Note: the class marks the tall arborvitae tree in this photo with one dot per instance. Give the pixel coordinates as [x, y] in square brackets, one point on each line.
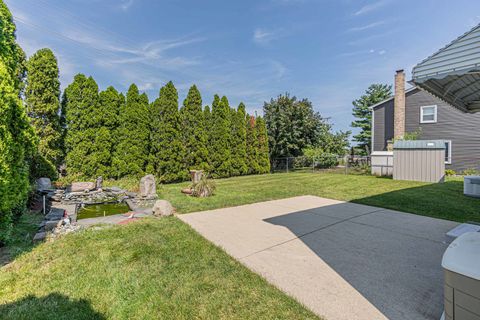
[167, 150]
[80, 101]
[17, 144]
[132, 146]
[194, 134]
[262, 146]
[252, 146]
[221, 138]
[238, 143]
[17, 137]
[42, 97]
[110, 103]
[361, 110]
[10, 52]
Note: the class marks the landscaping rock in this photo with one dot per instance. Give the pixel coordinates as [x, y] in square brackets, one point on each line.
[82, 186]
[44, 184]
[40, 236]
[162, 208]
[148, 188]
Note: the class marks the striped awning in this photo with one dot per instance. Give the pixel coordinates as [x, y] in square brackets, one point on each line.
[453, 73]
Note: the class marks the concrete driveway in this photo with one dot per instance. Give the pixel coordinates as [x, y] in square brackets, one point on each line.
[341, 260]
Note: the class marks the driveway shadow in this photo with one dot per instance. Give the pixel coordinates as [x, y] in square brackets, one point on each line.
[392, 258]
[54, 306]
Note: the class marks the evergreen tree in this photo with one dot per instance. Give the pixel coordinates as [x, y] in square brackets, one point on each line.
[373, 95]
[239, 143]
[252, 146]
[10, 52]
[220, 138]
[167, 149]
[132, 146]
[194, 134]
[17, 144]
[83, 147]
[262, 146]
[110, 103]
[42, 97]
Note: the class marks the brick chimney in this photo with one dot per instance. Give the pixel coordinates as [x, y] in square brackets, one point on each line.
[399, 105]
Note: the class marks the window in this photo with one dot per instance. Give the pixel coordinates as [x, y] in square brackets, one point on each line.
[428, 114]
[448, 152]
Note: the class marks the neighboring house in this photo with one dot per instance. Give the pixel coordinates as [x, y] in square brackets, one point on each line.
[433, 119]
[444, 104]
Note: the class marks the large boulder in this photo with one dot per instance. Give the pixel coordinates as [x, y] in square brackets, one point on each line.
[162, 208]
[82, 186]
[44, 184]
[148, 188]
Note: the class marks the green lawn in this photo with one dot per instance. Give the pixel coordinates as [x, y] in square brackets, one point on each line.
[441, 200]
[161, 268]
[150, 269]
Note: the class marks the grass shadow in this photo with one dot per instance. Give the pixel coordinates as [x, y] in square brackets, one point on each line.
[54, 306]
[439, 200]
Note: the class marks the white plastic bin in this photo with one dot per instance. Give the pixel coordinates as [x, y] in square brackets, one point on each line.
[461, 264]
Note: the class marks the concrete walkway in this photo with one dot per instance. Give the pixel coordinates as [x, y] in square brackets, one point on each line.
[342, 260]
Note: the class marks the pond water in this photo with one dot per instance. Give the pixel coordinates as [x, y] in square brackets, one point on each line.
[100, 210]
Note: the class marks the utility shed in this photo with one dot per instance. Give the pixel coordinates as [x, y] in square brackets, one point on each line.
[419, 160]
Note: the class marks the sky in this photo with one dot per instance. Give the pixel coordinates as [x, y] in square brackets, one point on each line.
[328, 51]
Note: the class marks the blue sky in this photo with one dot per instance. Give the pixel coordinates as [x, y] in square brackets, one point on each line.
[328, 51]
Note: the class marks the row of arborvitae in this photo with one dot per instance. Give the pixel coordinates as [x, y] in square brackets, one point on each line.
[92, 133]
[115, 136]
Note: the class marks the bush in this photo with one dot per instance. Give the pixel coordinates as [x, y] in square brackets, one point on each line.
[321, 159]
[203, 188]
[450, 172]
[470, 172]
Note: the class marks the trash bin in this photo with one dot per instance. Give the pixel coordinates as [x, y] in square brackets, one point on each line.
[471, 186]
[461, 264]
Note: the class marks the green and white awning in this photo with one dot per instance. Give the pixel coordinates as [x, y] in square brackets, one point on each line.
[453, 73]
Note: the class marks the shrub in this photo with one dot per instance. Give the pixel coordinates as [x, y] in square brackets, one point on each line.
[470, 172]
[203, 188]
[321, 159]
[450, 172]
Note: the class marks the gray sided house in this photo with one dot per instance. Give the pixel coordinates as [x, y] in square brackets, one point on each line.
[433, 119]
[444, 103]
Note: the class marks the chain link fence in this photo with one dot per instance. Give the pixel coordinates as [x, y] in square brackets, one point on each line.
[349, 164]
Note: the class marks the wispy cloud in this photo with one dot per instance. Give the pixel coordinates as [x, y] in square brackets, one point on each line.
[367, 27]
[126, 4]
[154, 52]
[263, 36]
[371, 7]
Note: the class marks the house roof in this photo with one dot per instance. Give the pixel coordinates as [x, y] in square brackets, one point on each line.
[389, 99]
[453, 73]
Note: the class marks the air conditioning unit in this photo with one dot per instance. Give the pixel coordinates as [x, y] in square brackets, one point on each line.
[471, 186]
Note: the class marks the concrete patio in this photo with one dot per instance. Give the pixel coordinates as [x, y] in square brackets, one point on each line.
[342, 260]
